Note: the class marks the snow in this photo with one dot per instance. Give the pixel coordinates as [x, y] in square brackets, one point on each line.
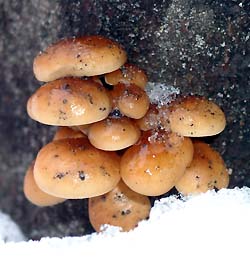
[160, 93]
[208, 232]
[9, 231]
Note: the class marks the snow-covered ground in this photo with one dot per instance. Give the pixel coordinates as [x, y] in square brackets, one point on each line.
[204, 233]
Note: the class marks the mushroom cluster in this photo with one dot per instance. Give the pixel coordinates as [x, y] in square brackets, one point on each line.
[112, 145]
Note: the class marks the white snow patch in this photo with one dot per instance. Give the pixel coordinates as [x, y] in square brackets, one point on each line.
[205, 233]
[9, 231]
[160, 93]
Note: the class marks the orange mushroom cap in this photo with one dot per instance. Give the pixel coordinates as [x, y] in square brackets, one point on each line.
[82, 56]
[195, 116]
[154, 164]
[69, 102]
[206, 171]
[131, 100]
[34, 194]
[116, 133]
[66, 132]
[127, 74]
[72, 168]
[120, 207]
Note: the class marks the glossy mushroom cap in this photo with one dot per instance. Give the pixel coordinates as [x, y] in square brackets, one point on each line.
[154, 164]
[120, 207]
[69, 102]
[113, 133]
[131, 100]
[206, 171]
[82, 56]
[195, 116]
[34, 194]
[66, 132]
[73, 169]
[127, 74]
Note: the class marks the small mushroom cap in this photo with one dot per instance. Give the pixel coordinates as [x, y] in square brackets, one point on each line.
[131, 100]
[113, 133]
[206, 171]
[157, 117]
[66, 132]
[69, 102]
[127, 74]
[154, 164]
[120, 207]
[82, 56]
[73, 169]
[195, 116]
[34, 194]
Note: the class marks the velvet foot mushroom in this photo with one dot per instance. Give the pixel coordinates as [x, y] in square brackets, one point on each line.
[127, 74]
[131, 100]
[66, 132]
[113, 133]
[73, 169]
[195, 116]
[70, 167]
[78, 57]
[69, 102]
[34, 194]
[206, 171]
[156, 162]
[120, 207]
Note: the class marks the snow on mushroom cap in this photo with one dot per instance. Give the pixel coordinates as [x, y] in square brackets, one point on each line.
[82, 56]
[153, 165]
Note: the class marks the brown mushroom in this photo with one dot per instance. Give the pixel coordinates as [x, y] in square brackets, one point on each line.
[131, 100]
[66, 132]
[113, 133]
[73, 169]
[127, 74]
[34, 194]
[120, 207]
[69, 102]
[195, 116]
[82, 56]
[206, 171]
[154, 164]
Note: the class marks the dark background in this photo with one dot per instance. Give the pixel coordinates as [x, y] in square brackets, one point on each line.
[198, 46]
